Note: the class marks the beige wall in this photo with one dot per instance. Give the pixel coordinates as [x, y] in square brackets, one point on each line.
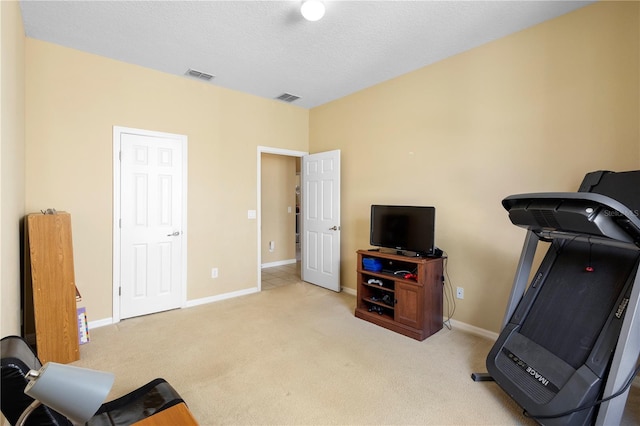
[12, 162]
[278, 195]
[73, 101]
[530, 112]
[533, 111]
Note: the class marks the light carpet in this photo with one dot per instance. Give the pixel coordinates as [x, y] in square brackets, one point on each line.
[296, 355]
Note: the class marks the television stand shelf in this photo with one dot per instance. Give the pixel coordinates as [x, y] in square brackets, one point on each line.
[409, 306]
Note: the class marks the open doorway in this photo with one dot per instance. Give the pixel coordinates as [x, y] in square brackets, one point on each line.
[319, 213]
[279, 248]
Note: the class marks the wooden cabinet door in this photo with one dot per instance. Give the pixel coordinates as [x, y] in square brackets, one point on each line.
[409, 304]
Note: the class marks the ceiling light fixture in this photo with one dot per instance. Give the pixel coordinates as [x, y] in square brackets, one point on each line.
[312, 10]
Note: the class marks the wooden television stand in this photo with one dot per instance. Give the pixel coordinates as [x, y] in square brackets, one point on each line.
[409, 306]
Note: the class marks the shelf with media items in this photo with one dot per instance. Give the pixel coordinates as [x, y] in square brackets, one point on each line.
[402, 294]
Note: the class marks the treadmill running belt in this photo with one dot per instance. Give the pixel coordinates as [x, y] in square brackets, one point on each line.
[574, 304]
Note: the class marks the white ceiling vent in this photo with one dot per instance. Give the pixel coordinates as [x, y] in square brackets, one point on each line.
[199, 74]
[288, 97]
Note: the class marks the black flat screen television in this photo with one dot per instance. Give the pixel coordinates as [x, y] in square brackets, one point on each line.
[404, 228]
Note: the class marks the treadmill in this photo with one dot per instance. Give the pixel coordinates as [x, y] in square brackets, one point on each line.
[571, 337]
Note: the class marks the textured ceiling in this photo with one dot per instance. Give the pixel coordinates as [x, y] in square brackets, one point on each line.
[266, 48]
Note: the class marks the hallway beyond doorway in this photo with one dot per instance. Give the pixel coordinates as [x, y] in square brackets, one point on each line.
[277, 276]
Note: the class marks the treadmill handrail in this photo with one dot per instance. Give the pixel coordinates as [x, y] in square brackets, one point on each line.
[615, 209]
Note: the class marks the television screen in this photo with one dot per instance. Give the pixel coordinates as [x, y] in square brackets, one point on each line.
[410, 228]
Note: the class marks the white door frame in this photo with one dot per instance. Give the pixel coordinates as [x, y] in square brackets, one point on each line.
[116, 272]
[277, 151]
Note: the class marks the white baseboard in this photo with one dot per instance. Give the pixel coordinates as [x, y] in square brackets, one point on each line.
[100, 323]
[474, 330]
[454, 324]
[190, 303]
[278, 263]
[205, 300]
[350, 291]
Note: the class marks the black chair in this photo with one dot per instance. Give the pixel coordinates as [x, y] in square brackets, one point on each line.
[18, 358]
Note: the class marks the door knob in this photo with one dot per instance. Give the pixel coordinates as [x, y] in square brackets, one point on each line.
[334, 228]
[175, 234]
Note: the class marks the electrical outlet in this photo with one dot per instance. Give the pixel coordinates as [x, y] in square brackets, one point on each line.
[460, 293]
[214, 272]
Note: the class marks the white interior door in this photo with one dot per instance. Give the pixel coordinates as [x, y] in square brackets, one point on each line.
[151, 225]
[321, 219]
